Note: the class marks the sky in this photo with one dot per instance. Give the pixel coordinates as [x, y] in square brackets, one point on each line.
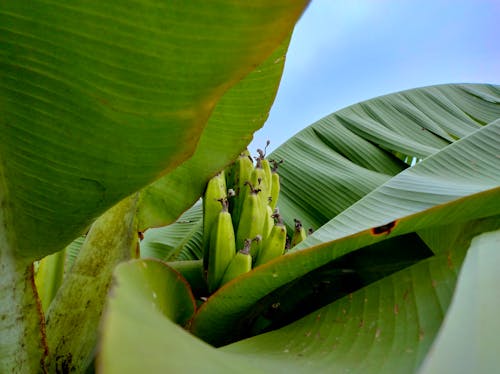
[344, 52]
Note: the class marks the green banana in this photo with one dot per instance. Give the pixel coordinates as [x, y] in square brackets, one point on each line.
[275, 184]
[299, 234]
[266, 166]
[251, 222]
[258, 178]
[214, 192]
[274, 245]
[222, 247]
[268, 222]
[242, 170]
[240, 264]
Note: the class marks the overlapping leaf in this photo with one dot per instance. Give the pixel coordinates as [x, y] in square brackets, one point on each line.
[388, 325]
[385, 327]
[99, 99]
[334, 162]
[468, 340]
[139, 333]
[419, 197]
[241, 111]
[330, 165]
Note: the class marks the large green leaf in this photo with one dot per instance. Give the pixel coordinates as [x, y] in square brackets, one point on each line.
[468, 340]
[241, 111]
[98, 99]
[458, 183]
[463, 169]
[385, 327]
[421, 199]
[334, 162]
[139, 333]
[330, 165]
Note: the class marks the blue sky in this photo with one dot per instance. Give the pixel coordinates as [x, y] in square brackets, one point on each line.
[344, 52]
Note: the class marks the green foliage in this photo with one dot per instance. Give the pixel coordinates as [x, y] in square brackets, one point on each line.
[376, 313]
[100, 99]
[468, 340]
[93, 92]
[113, 117]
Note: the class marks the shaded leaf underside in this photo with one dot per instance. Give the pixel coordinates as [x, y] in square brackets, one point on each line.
[185, 234]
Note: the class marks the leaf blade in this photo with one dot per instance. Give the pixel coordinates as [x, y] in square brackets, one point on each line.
[94, 92]
[468, 337]
[353, 228]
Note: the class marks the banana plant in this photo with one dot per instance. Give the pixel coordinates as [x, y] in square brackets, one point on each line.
[114, 116]
[403, 192]
[98, 100]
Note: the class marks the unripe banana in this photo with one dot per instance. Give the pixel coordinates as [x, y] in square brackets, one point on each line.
[221, 248]
[215, 191]
[268, 223]
[240, 264]
[251, 222]
[274, 245]
[258, 180]
[266, 166]
[299, 234]
[242, 170]
[275, 184]
[232, 170]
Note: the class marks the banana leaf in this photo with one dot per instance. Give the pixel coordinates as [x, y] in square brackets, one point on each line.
[100, 99]
[345, 177]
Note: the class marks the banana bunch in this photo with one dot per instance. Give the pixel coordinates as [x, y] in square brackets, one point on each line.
[242, 227]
